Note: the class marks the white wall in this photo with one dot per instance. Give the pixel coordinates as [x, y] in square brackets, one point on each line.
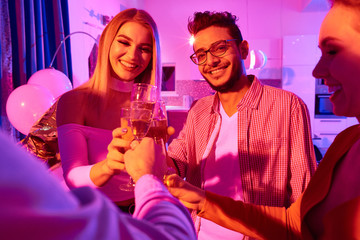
[87, 15]
[262, 22]
[300, 55]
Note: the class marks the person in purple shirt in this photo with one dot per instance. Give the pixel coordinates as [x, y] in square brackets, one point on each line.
[33, 204]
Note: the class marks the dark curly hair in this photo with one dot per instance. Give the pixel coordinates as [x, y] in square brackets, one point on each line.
[349, 3]
[202, 20]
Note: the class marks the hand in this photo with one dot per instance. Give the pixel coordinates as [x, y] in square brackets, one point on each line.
[189, 195]
[145, 158]
[116, 149]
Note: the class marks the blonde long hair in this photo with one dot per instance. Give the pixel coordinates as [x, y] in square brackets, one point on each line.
[99, 82]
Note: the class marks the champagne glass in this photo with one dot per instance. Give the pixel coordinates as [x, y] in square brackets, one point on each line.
[143, 92]
[158, 128]
[143, 98]
[140, 118]
[159, 123]
[125, 123]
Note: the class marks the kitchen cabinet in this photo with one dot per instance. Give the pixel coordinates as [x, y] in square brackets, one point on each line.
[326, 129]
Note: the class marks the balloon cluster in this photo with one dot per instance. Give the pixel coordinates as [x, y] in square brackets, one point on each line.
[27, 103]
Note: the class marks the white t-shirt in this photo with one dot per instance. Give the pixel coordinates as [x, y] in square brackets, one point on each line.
[222, 174]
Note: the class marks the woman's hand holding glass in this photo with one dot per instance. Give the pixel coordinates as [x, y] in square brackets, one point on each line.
[118, 146]
[143, 97]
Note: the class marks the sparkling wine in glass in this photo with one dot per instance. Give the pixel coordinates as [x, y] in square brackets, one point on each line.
[126, 123]
[140, 118]
[143, 97]
[159, 123]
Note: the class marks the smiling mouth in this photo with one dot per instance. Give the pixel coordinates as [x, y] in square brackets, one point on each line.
[128, 65]
[334, 88]
[215, 71]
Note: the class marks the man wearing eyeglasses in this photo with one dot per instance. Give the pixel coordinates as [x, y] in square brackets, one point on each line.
[248, 141]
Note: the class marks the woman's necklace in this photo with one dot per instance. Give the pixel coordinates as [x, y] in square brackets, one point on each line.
[121, 86]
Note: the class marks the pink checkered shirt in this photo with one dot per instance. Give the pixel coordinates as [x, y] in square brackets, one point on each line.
[276, 154]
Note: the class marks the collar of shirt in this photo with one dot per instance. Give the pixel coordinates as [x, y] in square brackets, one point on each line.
[250, 100]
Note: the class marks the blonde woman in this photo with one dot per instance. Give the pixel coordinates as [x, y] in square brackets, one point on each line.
[129, 52]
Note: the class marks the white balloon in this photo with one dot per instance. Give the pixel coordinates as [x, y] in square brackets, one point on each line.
[256, 59]
[26, 104]
[57, 82]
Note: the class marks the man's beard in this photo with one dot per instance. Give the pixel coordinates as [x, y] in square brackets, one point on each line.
[228, 86]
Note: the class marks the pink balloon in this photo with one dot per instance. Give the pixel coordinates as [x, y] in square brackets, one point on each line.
[54, 80]
[26, 104]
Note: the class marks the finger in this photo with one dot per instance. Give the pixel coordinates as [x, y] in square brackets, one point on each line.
[148, 140]
[188, 205]
[173, 181]
[178, 187]
[118, 132]
[145, 143]
[170, 130]
[134, 144]
[180, 193]
[117, 143]
[115, 156]
[124, 133]
[116, 166]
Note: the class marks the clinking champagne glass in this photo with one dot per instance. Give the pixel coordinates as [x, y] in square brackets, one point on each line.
[143, 97]
[159, 124]
[125, 123]
[140, 118]
[143, 92]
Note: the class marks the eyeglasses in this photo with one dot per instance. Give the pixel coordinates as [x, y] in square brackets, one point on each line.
[217, 49]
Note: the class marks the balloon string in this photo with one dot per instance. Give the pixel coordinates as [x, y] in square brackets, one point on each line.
[62, 41]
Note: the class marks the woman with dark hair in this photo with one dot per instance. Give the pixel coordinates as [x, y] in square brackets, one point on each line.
[330, 206]
[129, 52]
